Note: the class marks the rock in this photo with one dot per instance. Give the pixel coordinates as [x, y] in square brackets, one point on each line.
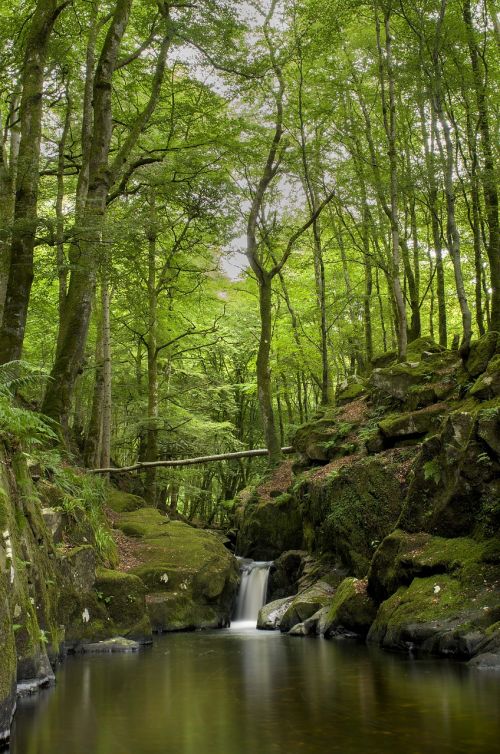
[413, 424]
[417, 382]
[448, 610]
[489, 428]
[124, 502]
[268, 528]
[453, 486]
[487, 386]
[190, 577]
[306, 604]
[352, 611]
[285, 573]
[8, 664]
[270, 615]
[350, 390]
[53, 520]
[486, 661]
[348, 512]
[124, 595]
[78, 567]
[117, 644]
[481, 351]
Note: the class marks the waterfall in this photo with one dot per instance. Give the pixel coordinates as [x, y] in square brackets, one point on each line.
[252, 594]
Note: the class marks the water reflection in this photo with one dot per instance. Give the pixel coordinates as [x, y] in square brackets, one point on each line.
[260, 693]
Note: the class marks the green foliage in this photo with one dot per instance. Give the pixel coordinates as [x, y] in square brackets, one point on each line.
[21, 423]
[432, 470]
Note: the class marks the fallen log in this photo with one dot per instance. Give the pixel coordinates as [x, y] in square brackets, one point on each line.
[142, 465]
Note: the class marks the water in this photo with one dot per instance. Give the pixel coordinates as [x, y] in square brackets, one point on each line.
[251, 692]
[252, 594]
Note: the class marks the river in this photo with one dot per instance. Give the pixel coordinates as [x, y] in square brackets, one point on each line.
[250, 692]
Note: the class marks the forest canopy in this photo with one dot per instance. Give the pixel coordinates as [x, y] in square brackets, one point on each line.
[214, 213]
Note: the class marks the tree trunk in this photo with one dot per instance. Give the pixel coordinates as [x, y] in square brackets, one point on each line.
[264, 370]
[25, 206]
[106, 371]
[84, 251]
[489, 181]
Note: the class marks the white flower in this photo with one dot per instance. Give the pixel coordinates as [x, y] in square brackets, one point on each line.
[437, 588]
[86, 615]
[164, 578]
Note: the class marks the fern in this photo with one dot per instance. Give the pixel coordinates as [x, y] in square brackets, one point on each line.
[27, 426]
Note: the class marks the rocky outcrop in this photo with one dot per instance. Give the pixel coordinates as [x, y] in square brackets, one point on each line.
[188, 576]
[400, 486]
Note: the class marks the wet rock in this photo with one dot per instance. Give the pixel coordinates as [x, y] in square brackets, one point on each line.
[124, 596]
[285, 573]
[117, 644]
[270, 615]
[306, 604]
[269, 527]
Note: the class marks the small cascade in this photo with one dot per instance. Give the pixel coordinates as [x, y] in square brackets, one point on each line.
[252, 594]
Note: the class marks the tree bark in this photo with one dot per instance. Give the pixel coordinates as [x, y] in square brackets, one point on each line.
[25, 206]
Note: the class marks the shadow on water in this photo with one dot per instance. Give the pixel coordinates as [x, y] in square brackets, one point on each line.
[250, 692]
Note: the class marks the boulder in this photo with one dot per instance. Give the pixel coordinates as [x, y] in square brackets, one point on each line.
[349, 511]
[352, 611]
[124, 595]
[269, 527]
[481, 351]
[415, 424]
[190, 578]
[306, 604]
[117, 644]
[270, 615]
[124, 502]
[487, 386]
[444, 594]
[285, 573]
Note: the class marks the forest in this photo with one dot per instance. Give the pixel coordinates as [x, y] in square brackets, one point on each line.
[269, 225]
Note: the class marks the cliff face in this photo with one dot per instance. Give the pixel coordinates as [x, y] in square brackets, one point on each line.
[397, 487]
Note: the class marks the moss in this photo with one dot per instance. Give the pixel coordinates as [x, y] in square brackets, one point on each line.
[401, 557]
[8, 663]
[487, 386]
[124, 502]
[352, 609]
[481, 352]
[144, 523]
[351, 392]
[177, 612]
[123, 595]
[305, 604]
[352, 509]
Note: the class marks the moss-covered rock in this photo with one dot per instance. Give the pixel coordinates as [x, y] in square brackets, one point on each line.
[268, 527]
[8, 664]
[189, 576]
[438, 595]
[305, 604]
[415, 424]
[452, 488]
[349, 391]
[352, 509]
[352, 611]
[427, 377]
[124, 502]
[481, 351]
[488, 384]
[124, 596]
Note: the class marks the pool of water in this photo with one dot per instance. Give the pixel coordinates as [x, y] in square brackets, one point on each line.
[249, 692]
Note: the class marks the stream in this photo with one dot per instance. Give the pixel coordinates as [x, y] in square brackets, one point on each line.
[243, 691]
